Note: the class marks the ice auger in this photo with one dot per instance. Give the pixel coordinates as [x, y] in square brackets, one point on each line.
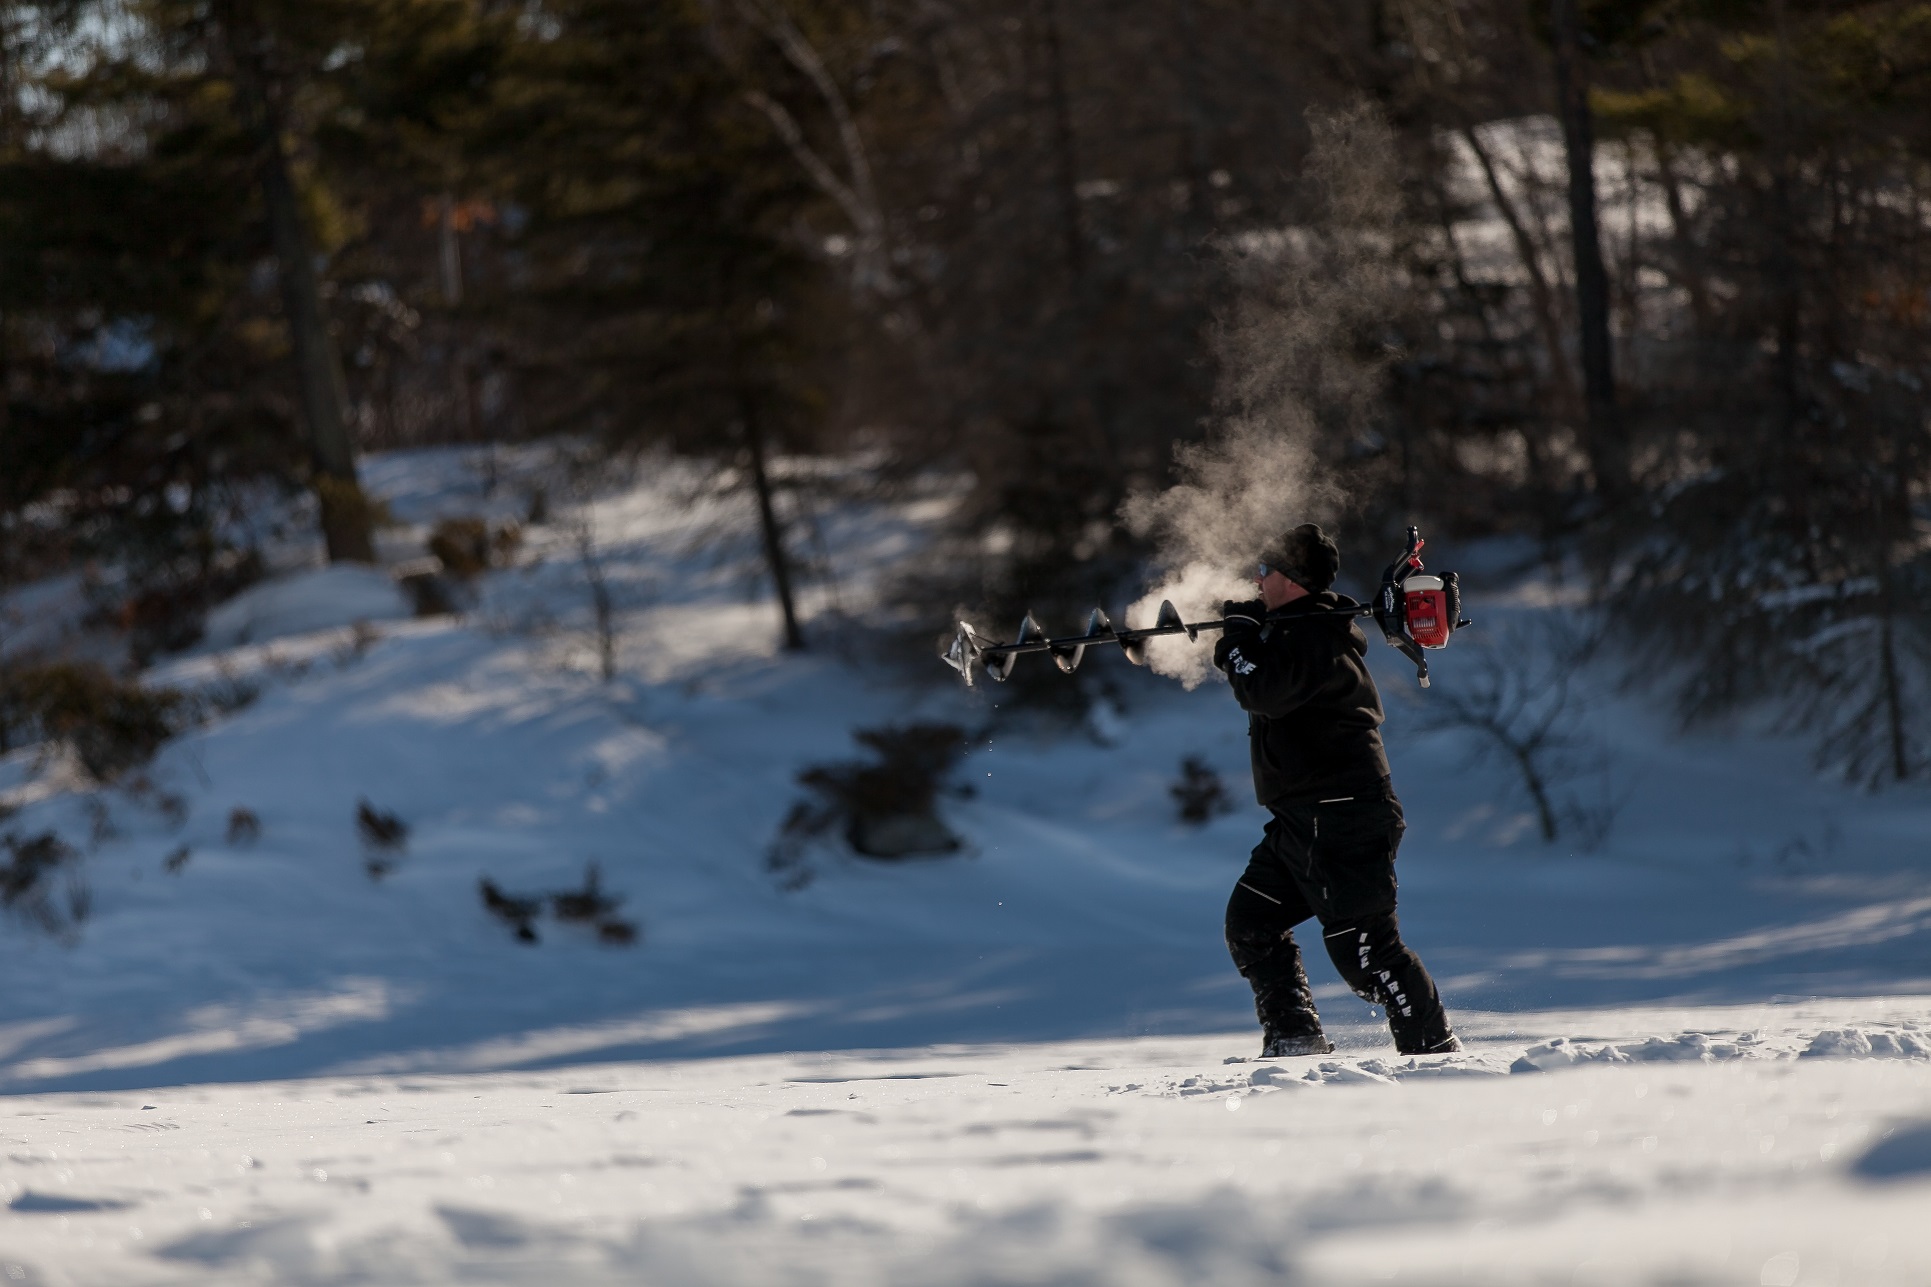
[1414, 610]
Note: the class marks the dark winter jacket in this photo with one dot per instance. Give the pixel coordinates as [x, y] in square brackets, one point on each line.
[1313, 715]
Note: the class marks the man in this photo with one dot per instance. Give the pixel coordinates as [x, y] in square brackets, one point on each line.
[1298, 668]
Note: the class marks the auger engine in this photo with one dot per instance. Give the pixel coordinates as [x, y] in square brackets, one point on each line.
[1416, 610]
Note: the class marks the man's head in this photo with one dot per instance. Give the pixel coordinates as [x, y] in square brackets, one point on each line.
[1301, 562]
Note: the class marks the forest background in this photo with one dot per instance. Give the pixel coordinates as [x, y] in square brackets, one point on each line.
[1650, 290]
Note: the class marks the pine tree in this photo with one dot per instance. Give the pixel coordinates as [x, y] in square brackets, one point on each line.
[1783, 558]
[164, 207]
[663, 298]
[140, 386]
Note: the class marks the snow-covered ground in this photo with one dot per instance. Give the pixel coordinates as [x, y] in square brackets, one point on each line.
[1712, 1156]
[1698, 1053]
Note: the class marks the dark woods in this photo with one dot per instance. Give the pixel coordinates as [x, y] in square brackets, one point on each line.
[1650, 287]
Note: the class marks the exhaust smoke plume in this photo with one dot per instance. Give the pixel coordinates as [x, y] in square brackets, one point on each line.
[1300, 371]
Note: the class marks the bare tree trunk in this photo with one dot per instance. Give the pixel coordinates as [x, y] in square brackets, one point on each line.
[462, 372]
[1541, 295]
[345, 512]
[1545, 814]
[449, 257]
[6, 398]
[1893, 684]
[601, 606]
[855, 192]
[774, 552]
[1688, 270]
[1531, 446]
[1608, 454]
[1630, 275]
[10, 134]
[1783, 255]
[1894, 516]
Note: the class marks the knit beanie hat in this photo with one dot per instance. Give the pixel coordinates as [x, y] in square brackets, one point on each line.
[1306, 555]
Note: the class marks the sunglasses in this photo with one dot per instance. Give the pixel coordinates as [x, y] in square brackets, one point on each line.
[1264, 570]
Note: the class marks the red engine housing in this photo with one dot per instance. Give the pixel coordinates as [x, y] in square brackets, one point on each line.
[1429, 616]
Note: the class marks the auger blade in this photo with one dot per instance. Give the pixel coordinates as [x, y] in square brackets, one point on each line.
[1169, 619]
[1068, 656]
[1000, 667]
[964, 652]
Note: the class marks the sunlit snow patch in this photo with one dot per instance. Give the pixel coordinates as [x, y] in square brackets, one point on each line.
[225, 1029]
[578, 1040]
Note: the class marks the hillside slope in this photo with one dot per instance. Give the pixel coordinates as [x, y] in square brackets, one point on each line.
[1081, 906]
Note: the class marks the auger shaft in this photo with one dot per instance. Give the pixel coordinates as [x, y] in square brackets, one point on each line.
[1123, 637]
[969, 647]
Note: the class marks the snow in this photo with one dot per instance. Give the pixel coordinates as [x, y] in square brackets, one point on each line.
[1099, 1161]
[304, 603]
[1697, 1053]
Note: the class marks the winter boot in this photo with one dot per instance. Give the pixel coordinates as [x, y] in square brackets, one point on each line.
[1278, 1047]
[1448, 1045]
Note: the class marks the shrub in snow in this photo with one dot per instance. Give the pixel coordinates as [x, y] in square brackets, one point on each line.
[27, 878]
[177, 860]
[616, 932]
[460, 549]
[100, 821]
[230, 692]
[384, 836]
[110, 725]
[518, 913]
[170, 806]
[1519, 692]
[589, 905]
[468, 547]
[244, 827]
[431, 592]
[1199, 793]
[168, 612]
[362, 637]
[886, 809]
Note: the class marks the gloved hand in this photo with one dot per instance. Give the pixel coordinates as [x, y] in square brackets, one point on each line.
[1242, 614]
[1243, 620]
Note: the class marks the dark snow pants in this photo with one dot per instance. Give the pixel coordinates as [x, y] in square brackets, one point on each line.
[1334, 861]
